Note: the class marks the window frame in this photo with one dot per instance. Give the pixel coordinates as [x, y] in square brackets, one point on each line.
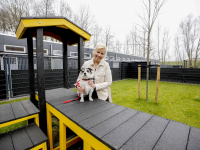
[14, 51]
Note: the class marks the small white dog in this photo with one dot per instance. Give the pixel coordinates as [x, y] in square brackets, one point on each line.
[86, 75]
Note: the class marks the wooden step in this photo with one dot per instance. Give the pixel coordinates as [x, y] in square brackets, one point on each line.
[24, 138]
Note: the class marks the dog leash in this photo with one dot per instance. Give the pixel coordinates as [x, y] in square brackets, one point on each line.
[77, 84]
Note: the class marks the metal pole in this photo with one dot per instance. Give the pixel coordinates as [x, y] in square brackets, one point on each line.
[6, 75]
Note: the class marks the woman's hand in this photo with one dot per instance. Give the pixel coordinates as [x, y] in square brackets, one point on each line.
[80, 89]
[91, 84]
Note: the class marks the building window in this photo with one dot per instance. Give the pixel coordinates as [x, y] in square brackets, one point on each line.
[106, 58]
[73, 54]
[128, 59]
[58, 52]
[87, 55]
[118, 59]
[112, 58]
[132, 59]
[45, 51]
[11, 48]
[123, 59]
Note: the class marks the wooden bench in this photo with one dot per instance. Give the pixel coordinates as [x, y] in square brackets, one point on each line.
[105, 126]
[29, 137]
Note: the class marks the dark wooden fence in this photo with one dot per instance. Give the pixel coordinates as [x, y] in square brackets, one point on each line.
[2, 85]
[180, 75]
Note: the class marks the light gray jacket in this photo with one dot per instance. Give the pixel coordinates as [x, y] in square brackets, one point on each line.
[103, 78]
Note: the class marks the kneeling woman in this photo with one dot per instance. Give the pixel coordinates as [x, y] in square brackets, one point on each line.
[102, 74]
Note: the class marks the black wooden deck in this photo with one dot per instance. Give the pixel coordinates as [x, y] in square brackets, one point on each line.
[17, 110]
[122, 128]
[23, 138]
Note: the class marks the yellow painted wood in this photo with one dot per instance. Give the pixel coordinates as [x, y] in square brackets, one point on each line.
[36, 119]
[62, 134]
[85, 136]
[70, 142]
[49, 129]
[20, 30]
[18, 120]
[58, 22]
[36, 97]
[42, 146]
[86, 146]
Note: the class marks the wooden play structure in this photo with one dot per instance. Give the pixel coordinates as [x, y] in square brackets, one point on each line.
[99, 124]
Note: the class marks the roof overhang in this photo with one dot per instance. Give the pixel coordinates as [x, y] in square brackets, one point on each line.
[55, 27]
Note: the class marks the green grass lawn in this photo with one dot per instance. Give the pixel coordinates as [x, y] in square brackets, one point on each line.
[176, 101]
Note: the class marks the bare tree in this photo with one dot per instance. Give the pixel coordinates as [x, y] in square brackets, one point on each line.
[177, 47]
[165, 45]
[65, 10]
[152, 9]
[43, 8]
[97, 36]
[189, 34]
[118, 46]
[108, 37]
[10, 13]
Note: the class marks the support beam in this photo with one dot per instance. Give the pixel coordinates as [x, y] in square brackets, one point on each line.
[65, 63]
[80, 53]
[31, 69]
[41, 79]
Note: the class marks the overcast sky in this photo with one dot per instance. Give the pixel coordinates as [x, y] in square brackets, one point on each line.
[121, 15]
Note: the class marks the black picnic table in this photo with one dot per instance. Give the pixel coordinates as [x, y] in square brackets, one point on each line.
[122, 128]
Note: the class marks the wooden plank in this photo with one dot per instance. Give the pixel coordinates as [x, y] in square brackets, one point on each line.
[19, 110]
[175, 136]
[92, 112]
[6, 142]
[125, 131]
[148, 135]
[30, 107]
[84, 106]
[21, 139]
[78, 105]
[194, 139]
[92, 121]
[36, 135]
[6, 113]
[107, 126]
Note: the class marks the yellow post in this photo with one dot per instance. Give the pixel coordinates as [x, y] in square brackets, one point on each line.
[62, 133]
[139, 79]
[49, 129]
[157, 82]
[86, 146]
[36, 119]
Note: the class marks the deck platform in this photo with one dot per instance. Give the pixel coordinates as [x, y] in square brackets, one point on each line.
[121, 128]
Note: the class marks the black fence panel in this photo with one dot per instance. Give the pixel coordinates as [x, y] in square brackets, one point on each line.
[20, 80]
[124, 70]
[116, 74]
[171, 74]
[73, 75]
[2, 85]
[191, 75]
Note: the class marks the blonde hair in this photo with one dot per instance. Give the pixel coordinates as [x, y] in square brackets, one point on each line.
[100, 46]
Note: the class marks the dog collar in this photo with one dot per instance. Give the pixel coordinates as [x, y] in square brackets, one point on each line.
[88, 79]
[85, 79]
